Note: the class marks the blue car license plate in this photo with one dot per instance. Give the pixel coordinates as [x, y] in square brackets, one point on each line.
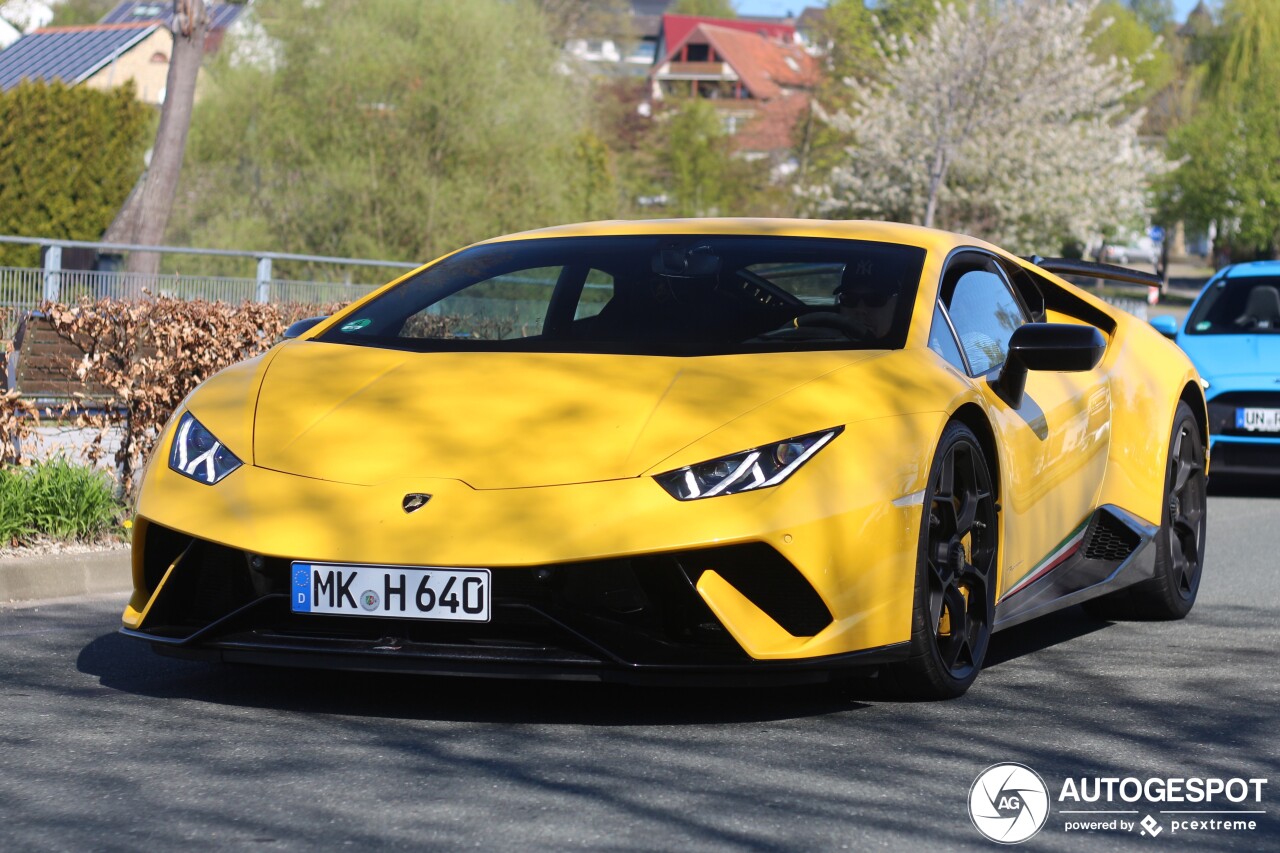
[344, 589]
[1258, 420]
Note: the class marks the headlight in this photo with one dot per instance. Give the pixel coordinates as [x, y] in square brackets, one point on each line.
[758, 468]
[198, 455]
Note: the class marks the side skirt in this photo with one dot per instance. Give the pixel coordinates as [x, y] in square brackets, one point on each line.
[1112, 550]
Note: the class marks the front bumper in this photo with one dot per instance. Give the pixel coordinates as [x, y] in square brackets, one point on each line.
[629, 619]
[1234, 450]
[844, 528]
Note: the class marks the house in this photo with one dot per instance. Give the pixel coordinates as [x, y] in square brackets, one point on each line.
[756, 73]
[101, 56]
[630, 50]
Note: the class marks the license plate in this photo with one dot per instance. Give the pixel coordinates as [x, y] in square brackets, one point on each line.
[1258, 420]
[449, 595]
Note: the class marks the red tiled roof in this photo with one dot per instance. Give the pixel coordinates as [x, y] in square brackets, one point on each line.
[761, 62]
[678, 27]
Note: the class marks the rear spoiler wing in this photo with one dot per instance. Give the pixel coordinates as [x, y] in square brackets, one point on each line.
[1109, 272]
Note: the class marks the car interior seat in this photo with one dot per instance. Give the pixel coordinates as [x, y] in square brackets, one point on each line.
[1262, 311]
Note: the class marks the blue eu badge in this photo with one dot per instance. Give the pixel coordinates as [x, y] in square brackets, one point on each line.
[301, 588]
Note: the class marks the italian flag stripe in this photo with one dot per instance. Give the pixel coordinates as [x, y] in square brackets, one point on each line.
[1057, 557]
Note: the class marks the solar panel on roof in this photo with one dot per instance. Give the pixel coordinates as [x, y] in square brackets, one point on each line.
[69, 54]
[221, 15]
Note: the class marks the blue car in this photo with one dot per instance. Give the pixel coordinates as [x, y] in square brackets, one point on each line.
[1232, 333]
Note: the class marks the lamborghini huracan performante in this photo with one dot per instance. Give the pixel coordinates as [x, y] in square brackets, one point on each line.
[712, 450]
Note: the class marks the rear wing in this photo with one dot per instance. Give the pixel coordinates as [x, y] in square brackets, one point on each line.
[1109, 272]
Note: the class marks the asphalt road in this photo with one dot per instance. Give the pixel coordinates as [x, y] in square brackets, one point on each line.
[105, 746]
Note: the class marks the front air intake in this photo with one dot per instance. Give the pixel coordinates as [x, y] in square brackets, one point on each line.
[768, 580]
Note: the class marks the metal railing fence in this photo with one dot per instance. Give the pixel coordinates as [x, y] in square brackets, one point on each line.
[23, 288]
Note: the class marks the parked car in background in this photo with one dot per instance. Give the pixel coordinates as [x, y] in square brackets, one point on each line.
[1232, 334]
[1144, 250]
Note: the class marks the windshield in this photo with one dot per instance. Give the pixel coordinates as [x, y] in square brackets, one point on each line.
[1238, 306]
[662, 295]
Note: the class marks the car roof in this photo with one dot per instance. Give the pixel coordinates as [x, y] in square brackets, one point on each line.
[884, 232]
[1252, 268]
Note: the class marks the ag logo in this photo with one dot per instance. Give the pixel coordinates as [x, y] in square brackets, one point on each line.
[1008, 803]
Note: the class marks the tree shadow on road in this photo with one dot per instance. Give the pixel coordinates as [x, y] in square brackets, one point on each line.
[127, 665]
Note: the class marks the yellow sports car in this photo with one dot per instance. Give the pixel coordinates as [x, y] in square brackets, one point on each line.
[694, 449]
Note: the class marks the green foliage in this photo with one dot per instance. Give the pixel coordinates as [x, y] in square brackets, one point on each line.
[593, 187]
[703, 8]
[74, 13]
[68, 158]
[1229, 154]
[704, 179]
[1130, 39]
[1250, 52]
[905, 17]
[58, 500]
[857, 35]
[390, 128]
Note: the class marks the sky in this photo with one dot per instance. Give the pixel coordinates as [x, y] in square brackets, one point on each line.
[781, 7]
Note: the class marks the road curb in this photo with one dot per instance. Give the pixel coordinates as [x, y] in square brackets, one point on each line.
[64, 575]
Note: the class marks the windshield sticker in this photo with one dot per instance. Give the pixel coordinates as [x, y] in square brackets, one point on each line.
[1200, 327]
[355, 325]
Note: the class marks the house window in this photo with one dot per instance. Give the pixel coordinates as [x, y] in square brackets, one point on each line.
[159, 58]
[699, 53]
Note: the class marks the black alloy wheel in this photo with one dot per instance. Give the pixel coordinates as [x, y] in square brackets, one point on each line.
[956, 573]
[1185, 513]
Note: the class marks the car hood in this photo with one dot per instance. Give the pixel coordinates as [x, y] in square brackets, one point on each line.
[501, 420]
[1234, 355]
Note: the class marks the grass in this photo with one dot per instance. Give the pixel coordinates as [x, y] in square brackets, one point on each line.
[58, 500]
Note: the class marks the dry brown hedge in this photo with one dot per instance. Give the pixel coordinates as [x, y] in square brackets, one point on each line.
[148, 354]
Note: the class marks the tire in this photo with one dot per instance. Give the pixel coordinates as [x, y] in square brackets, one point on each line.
[1171, 593]
[954, 606]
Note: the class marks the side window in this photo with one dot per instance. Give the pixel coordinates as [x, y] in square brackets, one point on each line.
[595, 293]
[985, 314]
[943, 342]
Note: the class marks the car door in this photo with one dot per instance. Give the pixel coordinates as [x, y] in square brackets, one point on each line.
[1054, 444]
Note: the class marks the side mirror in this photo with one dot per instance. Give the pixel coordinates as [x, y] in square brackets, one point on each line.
[302, 326]
[1165, 325]
[1060, 347]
